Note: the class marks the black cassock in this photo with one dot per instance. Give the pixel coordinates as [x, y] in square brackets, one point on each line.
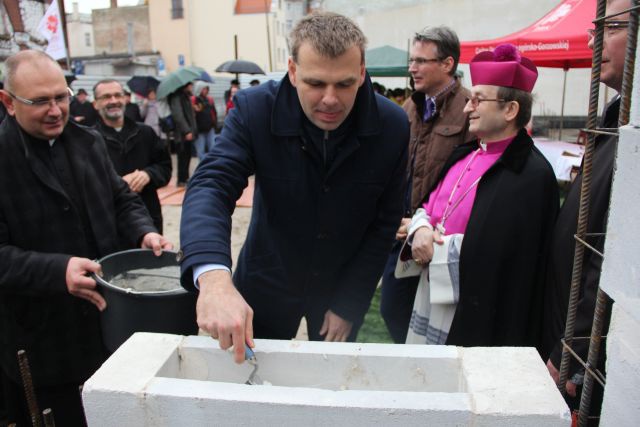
[504, 249]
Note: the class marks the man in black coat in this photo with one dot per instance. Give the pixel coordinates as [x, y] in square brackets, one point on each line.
[329, 158]
[81, 110]
[186, 129]
[560, 267]
[61, 205]
[502, 195]
[138, 155]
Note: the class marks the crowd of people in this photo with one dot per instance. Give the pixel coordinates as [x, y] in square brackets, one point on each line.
[446, 191]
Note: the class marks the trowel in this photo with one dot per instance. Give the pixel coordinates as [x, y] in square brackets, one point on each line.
[250, 357]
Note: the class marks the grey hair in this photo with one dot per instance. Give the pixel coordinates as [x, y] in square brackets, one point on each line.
[12, 64]
[330, 34]
[446, 41]
[104, 82]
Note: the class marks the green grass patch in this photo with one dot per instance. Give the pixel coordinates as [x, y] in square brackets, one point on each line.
[373, 329]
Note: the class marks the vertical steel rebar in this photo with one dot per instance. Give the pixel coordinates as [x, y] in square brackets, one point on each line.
[47, 414]
[585, 192]
[592, 359]
[29, 392]
[601, 303]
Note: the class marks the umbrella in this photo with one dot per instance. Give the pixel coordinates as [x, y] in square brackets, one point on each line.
[175, 81]
[239, 67]
[143, 84]
[204, 76]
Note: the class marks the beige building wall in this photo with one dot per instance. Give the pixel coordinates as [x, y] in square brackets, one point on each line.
[110, 29]
[205, 36]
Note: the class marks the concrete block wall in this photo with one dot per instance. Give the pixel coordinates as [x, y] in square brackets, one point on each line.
[621, 276]
[156, 379]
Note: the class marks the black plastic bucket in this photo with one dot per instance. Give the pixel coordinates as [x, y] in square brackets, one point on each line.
[129, 311]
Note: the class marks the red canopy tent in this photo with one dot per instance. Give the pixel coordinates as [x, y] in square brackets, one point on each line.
[558, 39]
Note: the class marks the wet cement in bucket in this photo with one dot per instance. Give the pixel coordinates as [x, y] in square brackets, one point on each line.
[149, 279]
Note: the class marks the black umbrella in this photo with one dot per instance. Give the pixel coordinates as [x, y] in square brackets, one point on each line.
[143, 84]
[239, 66]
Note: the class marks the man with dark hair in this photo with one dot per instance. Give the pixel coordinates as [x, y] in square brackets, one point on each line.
[560, 267]
[329, 157]
[227, 93]
[186, 129]
[81, 109]
[131, 109]
[62, 206]
[490, 215]
[438, 124]
[137, 153]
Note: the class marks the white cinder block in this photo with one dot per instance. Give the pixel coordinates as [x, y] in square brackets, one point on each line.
[164, 380]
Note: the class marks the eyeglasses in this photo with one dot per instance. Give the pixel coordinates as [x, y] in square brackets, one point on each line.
[422, 61]
[475, 101]
[610, 28]
[45, 102]
[108, 96]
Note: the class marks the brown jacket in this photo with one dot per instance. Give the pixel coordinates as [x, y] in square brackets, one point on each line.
[433, 141]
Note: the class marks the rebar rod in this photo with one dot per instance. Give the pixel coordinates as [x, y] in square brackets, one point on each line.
[29, 392]
[592, 359]
[599, 376]
[585, 192]
[47, 414]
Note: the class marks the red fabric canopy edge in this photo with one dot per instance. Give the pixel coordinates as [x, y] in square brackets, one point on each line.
[558, 39]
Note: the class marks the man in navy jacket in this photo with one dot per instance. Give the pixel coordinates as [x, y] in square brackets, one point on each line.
[329, 158]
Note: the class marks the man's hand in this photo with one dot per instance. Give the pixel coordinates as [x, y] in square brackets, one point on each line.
[189, 136]
[422, 245]
[156, 242]
[80, 285]
[555, 374]
[223, 313]
[335, 328]
[137, 180]
[401, 234]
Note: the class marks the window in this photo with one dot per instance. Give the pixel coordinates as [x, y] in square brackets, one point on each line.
[177, 11]
[87, 39]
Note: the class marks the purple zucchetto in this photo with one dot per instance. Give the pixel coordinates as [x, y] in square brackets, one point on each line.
[503, 67]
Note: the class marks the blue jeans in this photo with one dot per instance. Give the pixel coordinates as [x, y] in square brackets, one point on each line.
[204, 142]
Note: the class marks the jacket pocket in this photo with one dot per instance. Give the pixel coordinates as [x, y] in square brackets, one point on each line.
[448, 130]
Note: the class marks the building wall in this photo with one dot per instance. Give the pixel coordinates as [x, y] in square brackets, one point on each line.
[31, 12]
[80, 34]
[206, 34]
[170, 37]
[110, 28]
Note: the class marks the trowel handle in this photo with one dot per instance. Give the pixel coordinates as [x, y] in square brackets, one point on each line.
[248, 353]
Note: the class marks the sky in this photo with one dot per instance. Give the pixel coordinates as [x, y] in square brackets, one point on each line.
[85, 6]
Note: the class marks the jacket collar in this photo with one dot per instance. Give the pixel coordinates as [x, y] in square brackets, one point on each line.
[441, 101]
[78, 141]
[514, 156]
[129, 129]
[287, 114]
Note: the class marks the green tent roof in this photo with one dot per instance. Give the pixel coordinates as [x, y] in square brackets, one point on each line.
[386, 61]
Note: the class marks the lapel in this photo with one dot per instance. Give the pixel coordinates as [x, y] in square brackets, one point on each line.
[77, 146]
[37, 166]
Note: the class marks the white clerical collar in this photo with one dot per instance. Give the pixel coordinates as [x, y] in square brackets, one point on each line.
[51, 142]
